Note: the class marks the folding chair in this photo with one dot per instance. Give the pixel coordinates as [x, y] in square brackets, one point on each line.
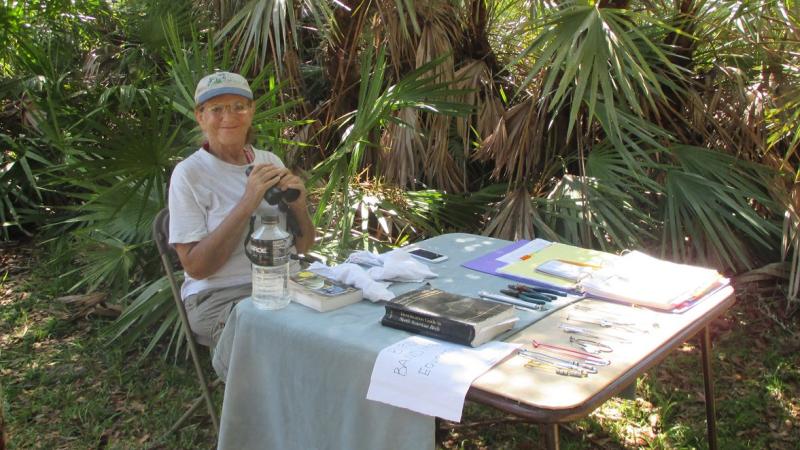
[170, 261]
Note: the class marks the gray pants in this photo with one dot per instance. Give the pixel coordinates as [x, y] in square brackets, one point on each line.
[209, 310]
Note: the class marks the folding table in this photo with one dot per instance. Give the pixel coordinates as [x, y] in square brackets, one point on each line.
[297, 378]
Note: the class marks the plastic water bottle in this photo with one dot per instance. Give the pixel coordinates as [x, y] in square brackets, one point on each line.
[268, 250]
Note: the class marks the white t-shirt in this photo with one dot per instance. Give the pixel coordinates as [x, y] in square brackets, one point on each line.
[203, 189]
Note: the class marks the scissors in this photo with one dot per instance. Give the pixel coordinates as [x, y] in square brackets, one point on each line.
[530, 297]
[590, 346]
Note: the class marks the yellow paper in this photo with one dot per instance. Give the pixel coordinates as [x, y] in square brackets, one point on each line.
[526, 268]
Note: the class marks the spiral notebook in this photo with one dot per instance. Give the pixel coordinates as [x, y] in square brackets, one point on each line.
[640, 279]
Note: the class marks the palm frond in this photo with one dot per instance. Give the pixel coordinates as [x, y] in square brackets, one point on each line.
[152, 306]
[104, 261]
[523, 146]
[20, 194]
[404, 149]
[596, 57]
[398, 18]
[266, 28]
[708, 213]
[440, 167]
[586, 211]
[512, 218]
[376, 107]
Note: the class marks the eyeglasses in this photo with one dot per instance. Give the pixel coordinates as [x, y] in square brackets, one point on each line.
[219, 109]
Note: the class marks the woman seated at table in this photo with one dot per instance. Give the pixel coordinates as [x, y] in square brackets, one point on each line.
[212, 200]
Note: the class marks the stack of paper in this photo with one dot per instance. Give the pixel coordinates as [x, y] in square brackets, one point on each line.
[643, 280]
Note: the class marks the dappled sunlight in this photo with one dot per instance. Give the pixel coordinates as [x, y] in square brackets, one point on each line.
[461, 366]
[474, 244]
[668, 128]
[686, 348]
[535, 385]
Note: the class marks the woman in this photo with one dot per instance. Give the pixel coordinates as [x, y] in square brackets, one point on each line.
[211, 202]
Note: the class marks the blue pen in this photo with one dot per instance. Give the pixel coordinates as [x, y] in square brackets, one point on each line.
[511, 301]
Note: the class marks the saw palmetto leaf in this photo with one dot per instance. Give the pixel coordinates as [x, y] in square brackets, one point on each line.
[377, 104]
[593, 54]
[151, 305]
[606, 209]
[20, 194]
[591, 213]
[438, 212]
[708, 212]
[266, 28]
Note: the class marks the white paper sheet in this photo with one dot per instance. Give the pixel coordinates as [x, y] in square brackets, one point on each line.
[531, 247]
[429, 376]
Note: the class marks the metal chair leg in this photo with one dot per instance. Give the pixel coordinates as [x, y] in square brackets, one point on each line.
[192, 348]
[708, 384]
[160, 236]
[196, 404]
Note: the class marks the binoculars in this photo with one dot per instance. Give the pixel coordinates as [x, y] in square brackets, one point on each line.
[275, 195]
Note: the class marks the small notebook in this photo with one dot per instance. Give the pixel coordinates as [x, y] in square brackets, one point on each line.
[565, 270]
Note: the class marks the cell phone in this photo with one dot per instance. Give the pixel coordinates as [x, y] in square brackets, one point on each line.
[427, 255]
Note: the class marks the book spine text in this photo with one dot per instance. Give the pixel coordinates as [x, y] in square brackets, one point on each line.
[429, 326]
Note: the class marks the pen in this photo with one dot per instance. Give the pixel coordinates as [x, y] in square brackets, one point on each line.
[507, 299]
[541, 290]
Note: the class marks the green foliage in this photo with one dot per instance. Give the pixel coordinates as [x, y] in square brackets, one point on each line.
[599, 57]
[20, 194]
[671, 127]
[152, 305]
[266, 29]
[708, 197]
[377, 103]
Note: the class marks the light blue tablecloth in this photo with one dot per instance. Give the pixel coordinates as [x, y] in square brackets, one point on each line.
[298, 379]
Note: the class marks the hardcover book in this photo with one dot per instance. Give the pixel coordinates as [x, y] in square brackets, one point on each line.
[321, 293]
[450, 317]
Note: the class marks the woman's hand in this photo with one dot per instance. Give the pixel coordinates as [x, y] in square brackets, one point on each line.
[299, 208]
[292, 181]
[261, 178]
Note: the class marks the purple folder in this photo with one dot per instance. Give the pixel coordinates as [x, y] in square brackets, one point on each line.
[488, 263]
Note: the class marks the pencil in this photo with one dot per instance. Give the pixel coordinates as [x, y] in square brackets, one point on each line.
[580, 264]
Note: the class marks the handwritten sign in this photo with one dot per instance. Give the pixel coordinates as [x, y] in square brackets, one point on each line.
[429, 376]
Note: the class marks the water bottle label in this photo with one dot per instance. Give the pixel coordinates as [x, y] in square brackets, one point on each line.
[268, 253]
[268, 246]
